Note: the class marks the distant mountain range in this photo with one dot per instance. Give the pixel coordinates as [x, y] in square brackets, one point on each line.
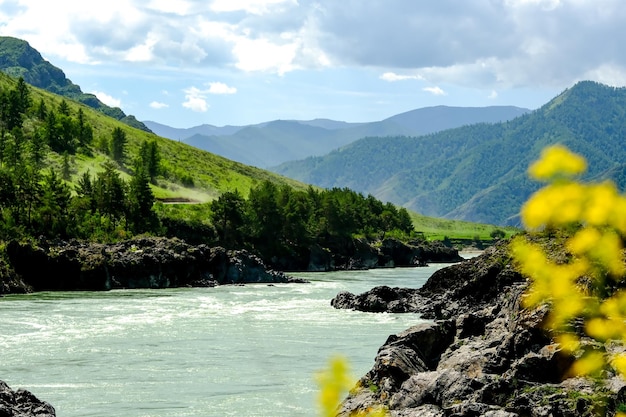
[272, 143]
[478, 172]
[19, 59]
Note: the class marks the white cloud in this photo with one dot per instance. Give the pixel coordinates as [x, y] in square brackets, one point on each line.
[436, 91]
[158, 105]
[107, 99]
[257, 7]
[264, 55]
[195, 100]
[493, 95]
[221, 88]
[490, 44]
[392, 77]
[178, 7]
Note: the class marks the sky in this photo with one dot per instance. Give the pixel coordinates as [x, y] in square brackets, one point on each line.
[237, 62]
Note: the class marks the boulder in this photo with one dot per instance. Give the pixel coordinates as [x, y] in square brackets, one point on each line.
[22, 403]
[379, 299]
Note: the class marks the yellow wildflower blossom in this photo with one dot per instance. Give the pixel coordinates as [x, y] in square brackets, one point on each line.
[557, 161]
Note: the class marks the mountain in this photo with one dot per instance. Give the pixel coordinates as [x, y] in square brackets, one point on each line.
[188, 172]
[478, 172]
[19, 59]
[272, 143]
[184, 133]
[434, 119]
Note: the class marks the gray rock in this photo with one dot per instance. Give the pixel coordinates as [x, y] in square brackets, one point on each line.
[486, 356]
[139, 263]
[22, 403]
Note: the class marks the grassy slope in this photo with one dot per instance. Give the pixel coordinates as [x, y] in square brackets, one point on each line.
[436, 229]
[211, 173]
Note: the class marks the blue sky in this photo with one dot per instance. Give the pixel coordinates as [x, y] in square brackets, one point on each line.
[185, 63]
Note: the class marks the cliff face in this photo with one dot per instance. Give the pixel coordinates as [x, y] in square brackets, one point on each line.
[484, 355]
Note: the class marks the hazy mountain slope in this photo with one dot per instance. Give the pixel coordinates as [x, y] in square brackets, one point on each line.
[272, 143]
[177, 133]
[434, 119]
[477, 172]
[19, 59]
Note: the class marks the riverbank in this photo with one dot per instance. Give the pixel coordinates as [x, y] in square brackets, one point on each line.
[154, 262]
[483, 354]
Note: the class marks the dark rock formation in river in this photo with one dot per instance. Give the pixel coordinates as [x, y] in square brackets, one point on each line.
[347, 253]
[22, 403]
[484, 355]
[138, 263]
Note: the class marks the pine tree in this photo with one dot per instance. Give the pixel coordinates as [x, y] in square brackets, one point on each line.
[228, 217]
[140, 201]
[151, 159]
[118, 145]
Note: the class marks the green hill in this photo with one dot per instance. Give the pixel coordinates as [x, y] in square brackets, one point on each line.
[46, 136]
[19, 59]
[182, 164]
[478, 172]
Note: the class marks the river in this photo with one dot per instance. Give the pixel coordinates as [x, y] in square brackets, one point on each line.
[228, 351]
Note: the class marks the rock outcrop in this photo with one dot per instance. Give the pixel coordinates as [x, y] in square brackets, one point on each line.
[482, 355]
[138, 263]
[354, 254]
[22, 403]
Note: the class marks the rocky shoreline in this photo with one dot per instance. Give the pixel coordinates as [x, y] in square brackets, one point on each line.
[482, 355]
[138, 263]
[22, 403]
[154, 262]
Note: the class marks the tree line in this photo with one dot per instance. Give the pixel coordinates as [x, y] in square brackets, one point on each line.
[36, 200]
[280, 220]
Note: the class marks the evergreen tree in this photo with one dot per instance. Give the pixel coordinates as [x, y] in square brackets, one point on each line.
[118, 145]
[85, 193]
[64, 108]
[23, 95]
[151, 158]
[37, 149]
[42, 110]
[265, 216]
[52, 134]
[84, 132]
[140, 201]
[53, 209]
[228, 218]
[67, 171]
[110, 193]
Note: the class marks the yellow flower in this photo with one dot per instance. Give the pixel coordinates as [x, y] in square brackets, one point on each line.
[600, 203]
[619, 364]
[557, 161]
[590, 364]
[568, 342]
[334, 383]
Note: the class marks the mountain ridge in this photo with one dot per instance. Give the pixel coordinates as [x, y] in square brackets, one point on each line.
[478, 172]
[19, 59]
[284, 140]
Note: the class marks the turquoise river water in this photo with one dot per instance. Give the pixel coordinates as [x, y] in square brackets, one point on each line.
[228, 351]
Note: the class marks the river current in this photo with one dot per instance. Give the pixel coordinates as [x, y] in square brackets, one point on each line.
[228, 351]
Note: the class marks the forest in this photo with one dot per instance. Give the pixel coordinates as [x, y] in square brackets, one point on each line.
[37, 198]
